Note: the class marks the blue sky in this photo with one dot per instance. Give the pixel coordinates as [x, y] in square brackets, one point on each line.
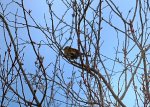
[39, 9]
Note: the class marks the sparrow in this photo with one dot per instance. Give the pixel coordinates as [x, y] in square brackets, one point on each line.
[72, 53]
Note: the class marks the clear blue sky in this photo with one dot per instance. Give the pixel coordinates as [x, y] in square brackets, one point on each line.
[39, 8]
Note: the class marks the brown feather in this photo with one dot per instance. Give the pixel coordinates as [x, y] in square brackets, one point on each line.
[71, 53]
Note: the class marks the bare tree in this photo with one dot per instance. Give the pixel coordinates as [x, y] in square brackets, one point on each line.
[115, 60]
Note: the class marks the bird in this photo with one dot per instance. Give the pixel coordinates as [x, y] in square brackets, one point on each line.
[71, 53]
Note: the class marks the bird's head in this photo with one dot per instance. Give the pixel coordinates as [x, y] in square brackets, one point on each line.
[66, 48]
